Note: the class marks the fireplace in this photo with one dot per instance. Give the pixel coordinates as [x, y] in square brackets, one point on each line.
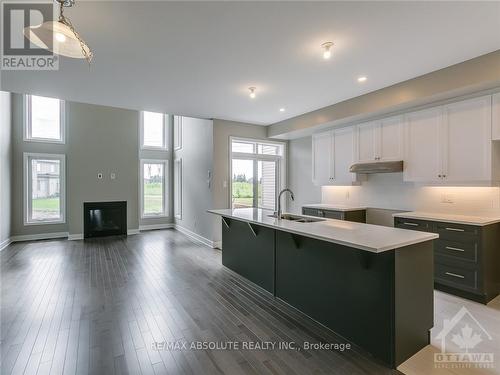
[104, 219]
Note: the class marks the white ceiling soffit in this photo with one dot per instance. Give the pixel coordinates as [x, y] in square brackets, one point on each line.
[199, 58]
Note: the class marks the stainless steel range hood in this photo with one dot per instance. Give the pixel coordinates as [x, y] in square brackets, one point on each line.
[377, 167]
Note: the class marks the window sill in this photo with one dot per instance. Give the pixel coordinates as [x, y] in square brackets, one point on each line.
[162, 216]
[45, 140]
[152, 148]
[32, 223]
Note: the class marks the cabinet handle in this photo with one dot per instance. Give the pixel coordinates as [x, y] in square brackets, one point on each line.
[412, 224]
[454, 248]
[455, 229]
[455, 275]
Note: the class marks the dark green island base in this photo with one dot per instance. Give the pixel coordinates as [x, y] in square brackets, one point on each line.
[381, 302]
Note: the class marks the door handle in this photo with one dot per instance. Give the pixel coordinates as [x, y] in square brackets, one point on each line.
[455, 229]
[454, 248]
[412, 224]
[455, 275]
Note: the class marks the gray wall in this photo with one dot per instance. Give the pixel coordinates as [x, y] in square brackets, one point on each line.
[101, 139]
[300, 174]
[98, 139]
[197, 156]
[5, 165]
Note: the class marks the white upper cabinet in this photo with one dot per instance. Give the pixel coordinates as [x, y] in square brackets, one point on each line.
[450, 143]
[495, 112]
[422, 161]
[343, 156]
[321, 156]
[365, 150]
[380, 140]
[333, 154]
[467, 140]
[390, 139]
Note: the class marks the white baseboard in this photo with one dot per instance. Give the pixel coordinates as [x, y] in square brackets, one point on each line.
[5, 243]
[131, 232]
[195, 237]
[41, 236]
[156, 226]
[74, 237]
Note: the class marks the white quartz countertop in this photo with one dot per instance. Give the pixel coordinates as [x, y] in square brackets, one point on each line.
[334, 207]
[373, 238]
[450, 218]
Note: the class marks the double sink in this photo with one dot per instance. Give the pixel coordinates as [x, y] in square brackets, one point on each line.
[296, 218]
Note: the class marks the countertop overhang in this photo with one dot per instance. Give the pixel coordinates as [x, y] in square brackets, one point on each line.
[368, 237]
[450, 218]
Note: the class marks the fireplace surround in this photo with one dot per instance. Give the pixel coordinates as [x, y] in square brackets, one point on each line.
[104, 219]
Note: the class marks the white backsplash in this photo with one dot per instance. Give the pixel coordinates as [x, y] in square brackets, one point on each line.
[389, 191]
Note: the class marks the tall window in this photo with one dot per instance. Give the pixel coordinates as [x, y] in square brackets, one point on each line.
[44, 184]
[44, 119]
[257, 172]
[153, 188]
[153, 131]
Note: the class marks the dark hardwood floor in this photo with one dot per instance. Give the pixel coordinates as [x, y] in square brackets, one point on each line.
[97, 307]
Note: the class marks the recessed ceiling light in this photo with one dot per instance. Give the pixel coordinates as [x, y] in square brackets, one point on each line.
[252, 92]
[327, 50]
[282, 109]
[362, 79]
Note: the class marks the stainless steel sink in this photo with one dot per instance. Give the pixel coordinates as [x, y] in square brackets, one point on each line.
[297, 218]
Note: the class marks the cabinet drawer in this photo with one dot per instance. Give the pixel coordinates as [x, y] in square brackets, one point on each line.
[456, 276]
[333, 215]
[412, 224]
[463, 251]
[310, 211]
[457, 232]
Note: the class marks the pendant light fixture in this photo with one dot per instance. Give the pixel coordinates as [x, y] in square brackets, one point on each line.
[60, 37]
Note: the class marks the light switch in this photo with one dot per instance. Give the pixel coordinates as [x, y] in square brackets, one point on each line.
[112, 176]
[99, 176]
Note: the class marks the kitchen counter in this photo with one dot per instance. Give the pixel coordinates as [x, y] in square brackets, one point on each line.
[450, 218]
[372, 285]
[334, 207]
[372, 238]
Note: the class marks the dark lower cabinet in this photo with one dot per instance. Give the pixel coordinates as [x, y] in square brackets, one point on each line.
[248, 249]
[381, 302]
[357, 215]
[467, 257]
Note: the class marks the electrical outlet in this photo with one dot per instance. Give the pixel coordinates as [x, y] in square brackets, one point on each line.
[347, 195]
[112, 176]
[99, 176]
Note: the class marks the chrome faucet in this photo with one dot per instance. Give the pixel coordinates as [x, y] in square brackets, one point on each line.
[278, 214]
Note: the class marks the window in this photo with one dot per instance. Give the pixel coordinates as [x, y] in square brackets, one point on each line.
[178, 188]
[153, 131]
[257, 171]
[153, 188]
[44, 188]
[44, 119]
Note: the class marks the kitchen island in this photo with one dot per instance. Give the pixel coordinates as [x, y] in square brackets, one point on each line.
[370, 284]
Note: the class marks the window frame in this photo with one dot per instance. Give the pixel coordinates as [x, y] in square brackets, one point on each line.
[178, 189]
[178, 124]
[166, 172]
[28, 124]
[279, 159]
[165, 133]
[28, 188]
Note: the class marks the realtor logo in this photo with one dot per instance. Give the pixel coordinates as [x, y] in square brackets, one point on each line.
[17, 52]
[461, 339]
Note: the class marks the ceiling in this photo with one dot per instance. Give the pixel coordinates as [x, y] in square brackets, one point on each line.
[199, 58]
